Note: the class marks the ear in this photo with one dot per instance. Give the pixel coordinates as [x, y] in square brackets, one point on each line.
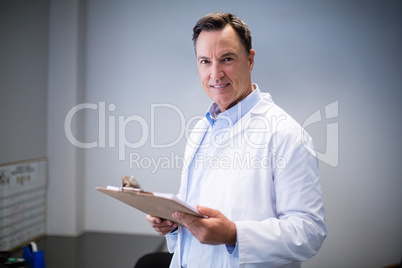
[251, 59]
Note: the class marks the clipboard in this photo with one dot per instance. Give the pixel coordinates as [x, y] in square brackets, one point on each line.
[161, 205]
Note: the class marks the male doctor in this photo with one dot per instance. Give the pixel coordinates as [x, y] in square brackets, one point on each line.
[253, 172]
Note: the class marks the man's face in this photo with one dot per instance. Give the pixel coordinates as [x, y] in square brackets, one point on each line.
[224, 67]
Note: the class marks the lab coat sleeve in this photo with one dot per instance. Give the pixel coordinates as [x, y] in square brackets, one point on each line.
[298, 231]
[171, 240]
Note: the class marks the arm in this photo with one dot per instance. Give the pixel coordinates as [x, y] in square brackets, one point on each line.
[214, 230]
[298, 231]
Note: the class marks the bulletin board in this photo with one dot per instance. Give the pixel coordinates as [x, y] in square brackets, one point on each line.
[23, 187]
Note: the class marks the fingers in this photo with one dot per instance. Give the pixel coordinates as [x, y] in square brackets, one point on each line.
[214, 230]
[153, 219]
[188, 219]
[209, 212]
[197, 226]
[184, 218]
[162, 226]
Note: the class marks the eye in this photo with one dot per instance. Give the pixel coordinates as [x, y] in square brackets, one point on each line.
[227, 59]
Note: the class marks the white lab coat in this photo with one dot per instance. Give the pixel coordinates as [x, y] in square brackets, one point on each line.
[265, 179]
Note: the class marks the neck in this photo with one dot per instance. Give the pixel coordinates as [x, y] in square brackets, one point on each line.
[242, 97]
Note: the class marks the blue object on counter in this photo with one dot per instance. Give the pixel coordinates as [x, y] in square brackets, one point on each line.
[34, 258]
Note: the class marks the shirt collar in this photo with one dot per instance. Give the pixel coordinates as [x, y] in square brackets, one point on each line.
[237, 111]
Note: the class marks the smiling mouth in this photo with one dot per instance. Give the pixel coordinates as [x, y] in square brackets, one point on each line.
[220, 86]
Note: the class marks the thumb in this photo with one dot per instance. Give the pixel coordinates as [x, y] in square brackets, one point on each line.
[210, 212]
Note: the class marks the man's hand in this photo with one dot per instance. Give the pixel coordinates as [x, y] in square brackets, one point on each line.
[214, 230]
[162, 226]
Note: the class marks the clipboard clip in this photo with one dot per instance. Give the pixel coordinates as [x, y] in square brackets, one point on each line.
[131, 182]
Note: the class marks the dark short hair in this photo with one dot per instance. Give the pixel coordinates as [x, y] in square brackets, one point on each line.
[217, 21]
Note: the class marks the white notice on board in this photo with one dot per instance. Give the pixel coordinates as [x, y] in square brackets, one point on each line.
[22, 202]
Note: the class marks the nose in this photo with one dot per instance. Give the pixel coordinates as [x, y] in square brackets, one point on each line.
[216, 72]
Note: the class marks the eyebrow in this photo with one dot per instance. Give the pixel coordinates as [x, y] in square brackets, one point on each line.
[227, 54]
[224, 55]
[203, 58]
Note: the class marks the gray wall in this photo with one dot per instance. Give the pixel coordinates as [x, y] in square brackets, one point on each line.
[309, 54]
[23, 79]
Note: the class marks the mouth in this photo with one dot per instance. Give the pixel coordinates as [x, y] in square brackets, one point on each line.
[220, 86]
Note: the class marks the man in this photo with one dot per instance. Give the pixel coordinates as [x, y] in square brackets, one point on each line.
[252, 171]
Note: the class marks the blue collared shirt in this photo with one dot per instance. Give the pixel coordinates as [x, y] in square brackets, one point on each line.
[220, 125]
